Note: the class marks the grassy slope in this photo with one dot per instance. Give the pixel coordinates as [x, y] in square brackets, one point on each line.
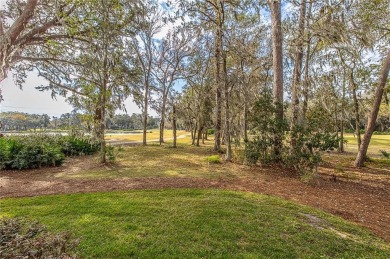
[196, 223]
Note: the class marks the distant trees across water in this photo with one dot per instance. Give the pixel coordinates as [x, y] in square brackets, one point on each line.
[20, 121]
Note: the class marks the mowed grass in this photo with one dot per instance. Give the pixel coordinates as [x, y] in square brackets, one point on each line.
[151, 135]
[191, 161]
[164, 161]
[190, 223]
[377, 143]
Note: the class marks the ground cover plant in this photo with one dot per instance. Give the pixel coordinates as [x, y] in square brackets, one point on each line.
[26, 239]
[196, 223]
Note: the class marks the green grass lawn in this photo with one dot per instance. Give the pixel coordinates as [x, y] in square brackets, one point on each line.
[377, 143]
[164, 161]
[190, 223]
[151, 135]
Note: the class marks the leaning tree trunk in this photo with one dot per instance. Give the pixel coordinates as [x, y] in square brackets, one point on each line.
[277, 53]
[297, 75]
[361, 156]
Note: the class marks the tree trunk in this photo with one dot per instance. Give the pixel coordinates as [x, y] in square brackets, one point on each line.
[174, 126]
[162, 123]
[218, 53]
[361, 156]
[307, 62]
[297, 74]
[277, 52]
[341, 143]
[200, 132]
[227, 110]
[245, 121]
[145, 115]
[356, 110]
[195, 130]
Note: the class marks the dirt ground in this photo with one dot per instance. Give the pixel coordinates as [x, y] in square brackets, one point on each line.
[364, 200]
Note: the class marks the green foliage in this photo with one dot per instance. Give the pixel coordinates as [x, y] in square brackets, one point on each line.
[385, 154]
[210, 131]
[41, 150]
[264, 127]
[252, 151]
[78, 145]
[381, 132]
[215, 159]
[24, 239]
[112, 153]
[309, 140]
[305, 157]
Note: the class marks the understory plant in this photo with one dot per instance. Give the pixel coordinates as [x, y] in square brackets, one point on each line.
[25, 239]
[309, 140]
[42, 150]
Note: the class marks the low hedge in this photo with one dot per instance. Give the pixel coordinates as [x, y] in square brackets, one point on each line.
[42, 150]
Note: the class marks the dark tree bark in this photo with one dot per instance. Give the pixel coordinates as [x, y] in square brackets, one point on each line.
[218, 81]
[361, 156]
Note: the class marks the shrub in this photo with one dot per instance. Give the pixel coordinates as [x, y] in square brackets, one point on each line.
[210, 131]
[78, 145]
[385, 154]
[252, 152]
[264, 127]
[215, 159]
[40, 150]
[112, 153]
[309, 140]
[23, 239]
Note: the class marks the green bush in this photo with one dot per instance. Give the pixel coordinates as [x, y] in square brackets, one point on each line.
[23, 239]
[41, 150]
[385, 154]
[210, 131]
[213, 159]
[78, 146]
